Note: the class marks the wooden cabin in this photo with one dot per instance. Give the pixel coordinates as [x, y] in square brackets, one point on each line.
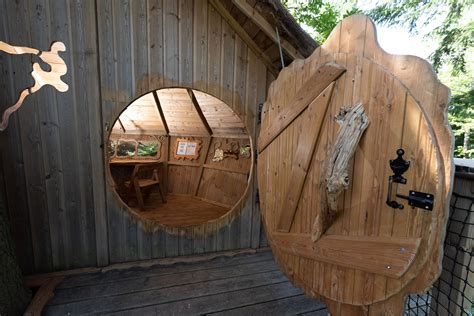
[145, 77]
[165, 113]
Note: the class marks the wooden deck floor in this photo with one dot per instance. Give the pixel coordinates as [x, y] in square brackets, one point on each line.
[247, 284]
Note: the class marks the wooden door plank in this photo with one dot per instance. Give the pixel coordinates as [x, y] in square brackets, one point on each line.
[156, 43]
[303, 156]
[171, 42]
[389, 256]
[200, 45]
[227, 63]
[140, 62]
[91, 78]
[319, 81]
[185, 31]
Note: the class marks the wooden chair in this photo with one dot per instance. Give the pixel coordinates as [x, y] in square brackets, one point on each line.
[145, 176]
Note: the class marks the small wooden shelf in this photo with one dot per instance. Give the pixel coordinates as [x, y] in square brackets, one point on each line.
[119, 161]
[217, 167]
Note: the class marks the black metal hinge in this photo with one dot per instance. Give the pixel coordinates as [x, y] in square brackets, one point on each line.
[259, 113]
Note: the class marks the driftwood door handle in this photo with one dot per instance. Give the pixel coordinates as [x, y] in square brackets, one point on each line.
[335, 179]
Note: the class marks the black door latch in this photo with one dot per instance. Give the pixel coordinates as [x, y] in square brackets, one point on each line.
[415, 199]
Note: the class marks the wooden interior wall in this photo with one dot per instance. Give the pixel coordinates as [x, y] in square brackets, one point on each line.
[223, 182]
[63, 213]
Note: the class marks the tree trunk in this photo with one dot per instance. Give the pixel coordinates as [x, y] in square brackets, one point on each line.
[13, 296]
[466, 140]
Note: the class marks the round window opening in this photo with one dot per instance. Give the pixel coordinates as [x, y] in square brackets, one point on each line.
[180, 157]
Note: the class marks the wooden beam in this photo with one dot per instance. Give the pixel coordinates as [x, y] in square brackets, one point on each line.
[313, 87]
[43, 295]
[121, 125]
[201, 167]
[199, 111]
[260, 21]
[234, 136]
[166, 158]
[389, 256]
[244, 35]
[38, 279]
[304, 154]
[160, 111]
[191, 134]
[141, 132]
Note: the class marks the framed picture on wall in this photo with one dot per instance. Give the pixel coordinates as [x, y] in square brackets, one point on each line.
[187, 148]
[144, 147]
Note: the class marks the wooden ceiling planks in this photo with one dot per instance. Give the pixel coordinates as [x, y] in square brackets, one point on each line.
[140, 116]
[180, 112]
[222, 120]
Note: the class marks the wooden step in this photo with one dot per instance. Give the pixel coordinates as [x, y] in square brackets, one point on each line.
[389, 256]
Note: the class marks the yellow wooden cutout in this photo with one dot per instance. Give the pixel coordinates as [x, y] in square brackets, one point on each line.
[41, 77]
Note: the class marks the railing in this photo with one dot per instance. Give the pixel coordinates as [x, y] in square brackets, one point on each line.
[453, 292]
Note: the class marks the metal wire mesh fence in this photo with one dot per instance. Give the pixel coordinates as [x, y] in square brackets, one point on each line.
[453, 292]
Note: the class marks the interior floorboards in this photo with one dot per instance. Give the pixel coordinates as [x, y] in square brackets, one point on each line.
[179, 210]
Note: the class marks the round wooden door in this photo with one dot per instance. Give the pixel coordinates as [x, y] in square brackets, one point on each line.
[343, 221]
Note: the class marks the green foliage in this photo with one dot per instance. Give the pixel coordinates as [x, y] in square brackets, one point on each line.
[461, 106]
[147, 149]
[128, 148]
[453, 32]
[454, 35]
[319, 15]
[461, 118]
[453, 57]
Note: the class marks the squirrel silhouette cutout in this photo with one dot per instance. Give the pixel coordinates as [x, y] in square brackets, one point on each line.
[41, 77]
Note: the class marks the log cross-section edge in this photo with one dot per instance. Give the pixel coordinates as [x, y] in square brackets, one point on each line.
[319, 81]
[303, 156]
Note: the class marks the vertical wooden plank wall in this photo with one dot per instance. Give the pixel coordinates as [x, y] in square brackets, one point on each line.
[64, 213]
[12, 164]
